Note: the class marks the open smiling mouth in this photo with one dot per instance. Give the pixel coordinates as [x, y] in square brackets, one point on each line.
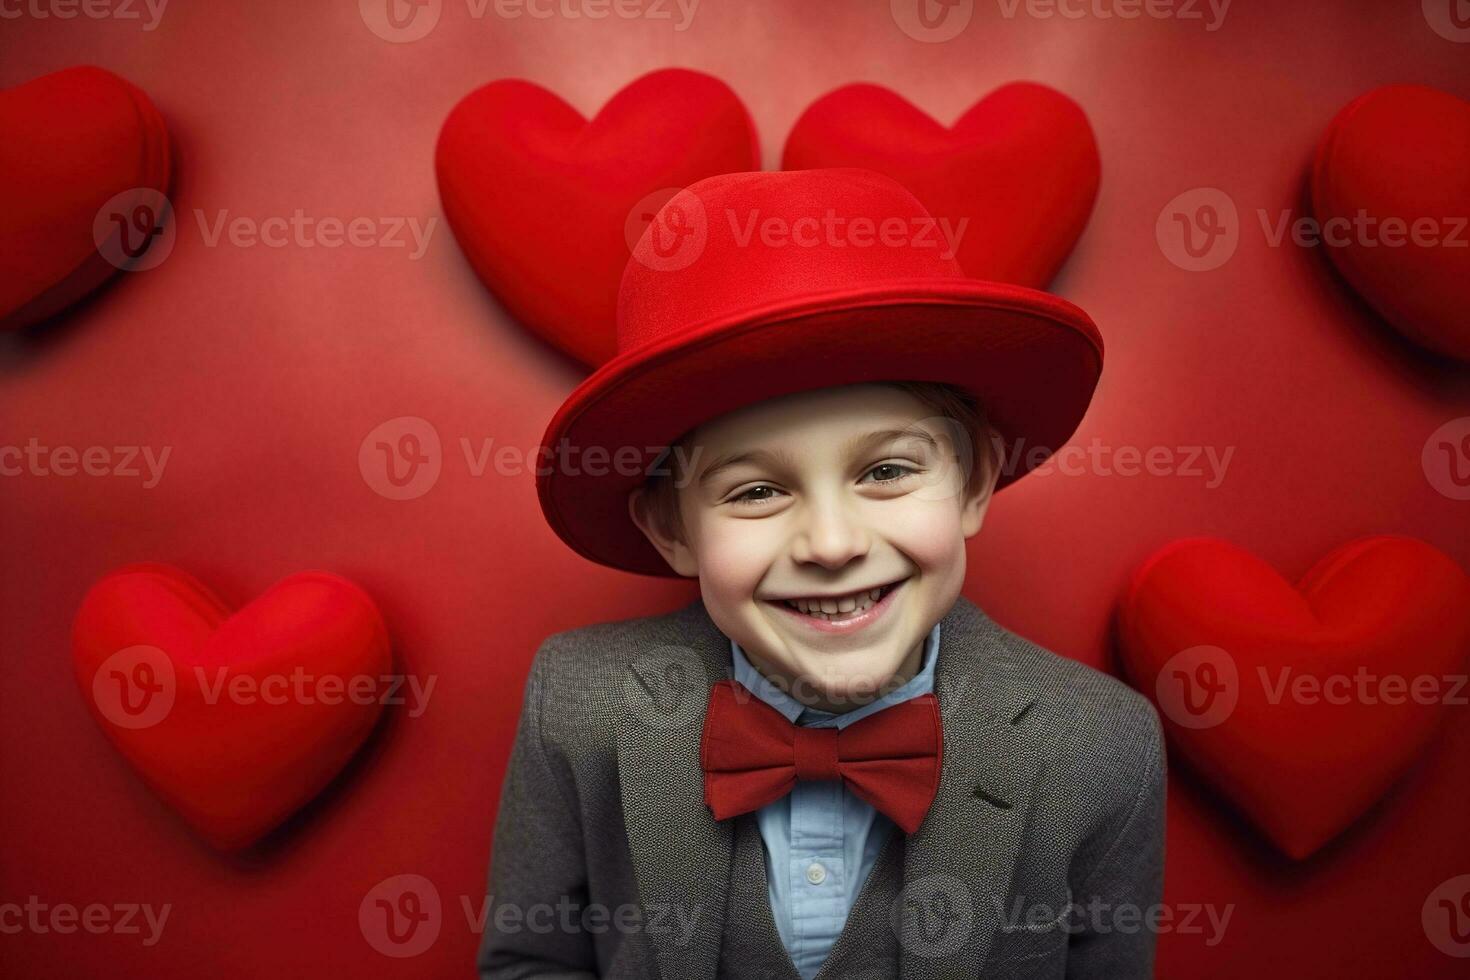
[840, 613]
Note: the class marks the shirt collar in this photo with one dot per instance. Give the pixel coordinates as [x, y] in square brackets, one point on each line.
[799, 714]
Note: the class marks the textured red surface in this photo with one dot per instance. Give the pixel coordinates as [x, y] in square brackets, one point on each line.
[265, 369]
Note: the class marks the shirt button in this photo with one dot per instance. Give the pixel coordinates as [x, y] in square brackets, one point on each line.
[816, 874]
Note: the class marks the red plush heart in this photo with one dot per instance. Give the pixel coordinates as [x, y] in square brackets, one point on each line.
[1020, 167]
[1232, 653]
[1395, 158]
[69, 143]
[543, 202]
[236, 720]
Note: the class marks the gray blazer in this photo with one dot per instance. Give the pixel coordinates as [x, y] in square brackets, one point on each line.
[1040, 857]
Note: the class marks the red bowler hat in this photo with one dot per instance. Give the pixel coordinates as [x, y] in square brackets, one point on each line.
[749, 286]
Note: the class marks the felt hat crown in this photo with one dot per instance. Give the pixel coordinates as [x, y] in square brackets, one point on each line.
[749, 286]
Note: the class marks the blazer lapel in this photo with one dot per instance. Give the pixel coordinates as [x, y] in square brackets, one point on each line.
[959, 864]
[681, 854]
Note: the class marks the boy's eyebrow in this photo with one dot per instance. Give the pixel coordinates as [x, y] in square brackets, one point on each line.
[855, 446]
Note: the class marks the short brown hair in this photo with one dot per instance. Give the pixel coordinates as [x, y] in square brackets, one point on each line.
[660, 500]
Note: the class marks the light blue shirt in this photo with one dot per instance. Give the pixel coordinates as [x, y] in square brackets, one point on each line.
[822, 840]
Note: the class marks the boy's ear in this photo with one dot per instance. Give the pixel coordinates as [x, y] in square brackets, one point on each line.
[977, 502]
[675, 551]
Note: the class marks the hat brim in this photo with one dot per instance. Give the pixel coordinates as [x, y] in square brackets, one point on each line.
[1031, 359]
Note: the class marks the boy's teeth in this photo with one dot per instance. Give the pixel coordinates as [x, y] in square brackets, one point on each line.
[827, 608]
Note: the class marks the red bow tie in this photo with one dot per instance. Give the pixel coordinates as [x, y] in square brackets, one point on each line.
[751, 755]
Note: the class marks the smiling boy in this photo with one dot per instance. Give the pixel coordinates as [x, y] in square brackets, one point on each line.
[877, 470]
[832, 764]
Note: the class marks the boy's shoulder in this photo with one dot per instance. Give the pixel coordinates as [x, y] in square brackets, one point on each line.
[585, 673]
[598, 650]
[1101, 736]
[1098, 736]
[1086, 699]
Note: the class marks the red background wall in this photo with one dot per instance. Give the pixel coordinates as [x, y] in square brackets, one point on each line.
[264, 369]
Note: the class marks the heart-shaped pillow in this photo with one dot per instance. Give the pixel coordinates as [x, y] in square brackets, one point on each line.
[70, 142]
[1014, 179]
[235, 720]
[1301, 704]
[547, 205]
[1391, 193]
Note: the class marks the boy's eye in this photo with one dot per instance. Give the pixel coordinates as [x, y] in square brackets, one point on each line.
[747, 497]
[886, 473]
[892, 472]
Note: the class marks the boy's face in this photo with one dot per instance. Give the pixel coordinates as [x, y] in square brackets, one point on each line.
[825, 495]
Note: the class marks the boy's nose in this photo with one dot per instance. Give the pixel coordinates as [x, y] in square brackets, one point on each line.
[829, 536]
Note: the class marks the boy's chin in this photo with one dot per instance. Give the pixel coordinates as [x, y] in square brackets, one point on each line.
[852, 688]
